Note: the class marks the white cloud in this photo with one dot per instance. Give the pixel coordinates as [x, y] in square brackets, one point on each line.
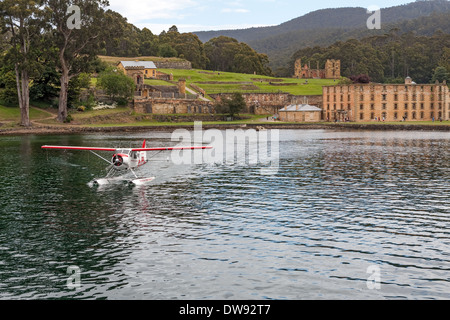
[144, 10]
[187, 15]
[229, 10]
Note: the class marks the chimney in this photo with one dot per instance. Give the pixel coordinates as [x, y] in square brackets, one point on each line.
[182, 86]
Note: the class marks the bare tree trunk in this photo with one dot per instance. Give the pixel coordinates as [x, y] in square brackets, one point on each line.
[62, 107]
[63, 94]
[23, 93]
[25, 111]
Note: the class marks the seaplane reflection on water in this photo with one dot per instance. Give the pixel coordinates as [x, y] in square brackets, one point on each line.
[123, 161]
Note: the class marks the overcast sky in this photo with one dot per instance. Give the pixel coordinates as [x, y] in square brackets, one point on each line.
[203, 15]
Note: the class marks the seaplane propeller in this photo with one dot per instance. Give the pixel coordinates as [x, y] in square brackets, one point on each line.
[117, 160]
[124, 160]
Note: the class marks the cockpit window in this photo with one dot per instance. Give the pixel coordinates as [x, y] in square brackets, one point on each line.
[124, 151]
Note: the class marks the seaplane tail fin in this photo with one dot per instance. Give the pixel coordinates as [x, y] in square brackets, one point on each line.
[144, 153]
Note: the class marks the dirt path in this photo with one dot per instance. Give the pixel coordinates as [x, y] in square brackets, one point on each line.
[196, 93]
[51, 116]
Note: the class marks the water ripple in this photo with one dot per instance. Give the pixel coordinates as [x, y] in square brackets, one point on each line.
[340, 203]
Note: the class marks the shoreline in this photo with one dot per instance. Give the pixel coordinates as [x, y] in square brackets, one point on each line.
[57, 130]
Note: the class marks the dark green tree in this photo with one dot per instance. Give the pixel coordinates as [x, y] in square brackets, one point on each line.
[233, 105]
[440, 74]
[23, 21]
[117, 85]
[227, 54]
[189, 46]
[124, 39]
[149, 43]
[167, 51]
[77, 47]
[46, 86]
[8, 94]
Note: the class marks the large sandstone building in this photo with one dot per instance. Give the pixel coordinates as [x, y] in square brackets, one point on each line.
[386, 102]
[332, 70]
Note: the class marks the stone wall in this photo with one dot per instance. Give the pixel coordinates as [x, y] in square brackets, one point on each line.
[164, 76]
[172, 106]
[270, 103]
[257, 103]
[169, 64]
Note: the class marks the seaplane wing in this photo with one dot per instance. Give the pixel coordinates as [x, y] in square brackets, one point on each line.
[115, 149]
[170, 148]
[79, 148]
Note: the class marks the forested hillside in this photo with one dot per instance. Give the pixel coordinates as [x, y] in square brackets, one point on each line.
[324, 27]
[130, 41]
[385, 58]
[424, 26]
[270, 50]
[336, 18]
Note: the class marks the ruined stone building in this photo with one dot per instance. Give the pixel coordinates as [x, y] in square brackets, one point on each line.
[332, 70]
[387, 102]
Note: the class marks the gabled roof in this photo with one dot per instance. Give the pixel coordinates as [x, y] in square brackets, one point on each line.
[300, 107]
[138, 64]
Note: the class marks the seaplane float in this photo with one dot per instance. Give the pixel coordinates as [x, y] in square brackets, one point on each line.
[124, 161]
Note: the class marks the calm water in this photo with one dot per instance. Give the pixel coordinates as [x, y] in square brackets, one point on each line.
[342, 205]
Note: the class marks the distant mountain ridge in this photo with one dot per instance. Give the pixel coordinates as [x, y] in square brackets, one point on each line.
[323, 27]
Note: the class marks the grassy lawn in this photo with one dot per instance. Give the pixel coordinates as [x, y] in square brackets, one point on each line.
[226, 82]
[13, 114]
[92, 113]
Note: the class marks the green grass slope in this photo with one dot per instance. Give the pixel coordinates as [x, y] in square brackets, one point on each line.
[227, 82]
[13, 114]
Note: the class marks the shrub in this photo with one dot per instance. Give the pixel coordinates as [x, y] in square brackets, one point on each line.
[117, 85]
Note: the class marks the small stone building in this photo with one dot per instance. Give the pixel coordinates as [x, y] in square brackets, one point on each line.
[300, 113]
[138, 70]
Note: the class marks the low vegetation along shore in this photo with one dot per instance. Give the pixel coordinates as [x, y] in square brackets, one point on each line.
[123, 119]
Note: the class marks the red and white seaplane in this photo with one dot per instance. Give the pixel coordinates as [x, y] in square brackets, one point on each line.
[123, 161]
